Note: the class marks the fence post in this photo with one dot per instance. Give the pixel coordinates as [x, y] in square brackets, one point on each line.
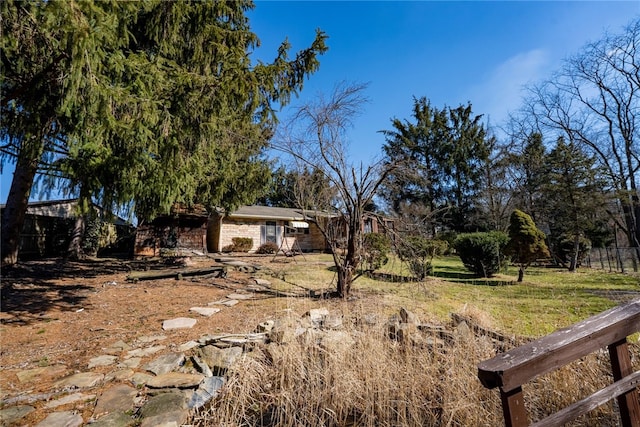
[621, 366]
[513, 409]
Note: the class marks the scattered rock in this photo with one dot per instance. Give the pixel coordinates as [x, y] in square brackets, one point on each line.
[179, 323]
[164, 409]
[225, 302]
[117, 348]
[205, 311]
[408, 317]
[116, 419]
[201, 366]
[165, 363]
[132, 363]
[81, 380]
[104, 360]
[207, 390]
[119, 375]
[71, 398]
[188, 346]
[143, 352]
[61, 419]
[140, 378]
[266, 326]
[115, 400]
[150, 339]
[39, 373]
[13, 414]
[239, 296]
[175, 379]
[220, 359]
[262, 282]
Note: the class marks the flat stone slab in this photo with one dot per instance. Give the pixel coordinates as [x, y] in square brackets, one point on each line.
[71, 398]
[13, 414]
[225, 302]
[262, 282]
[116, 399]
[240, 296]
[104, 360]
[38, 373]
[131, 363]
[165, 363]
[205, 311]
[117, 347]
[179, 323]
[61, 419]
[116, 419]
[165, 409]
[140, 378]
[81, 380]
[150, 338]
[188, 346]
[175, 379]
[119, 375]
[208, 390]
[142, 352]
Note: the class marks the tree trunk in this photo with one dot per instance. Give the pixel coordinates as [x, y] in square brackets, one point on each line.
[520, 274]
[74, 251]
[17, 203]
[576, 251]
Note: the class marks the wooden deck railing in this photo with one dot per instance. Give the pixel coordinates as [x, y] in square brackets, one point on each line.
[510, 370]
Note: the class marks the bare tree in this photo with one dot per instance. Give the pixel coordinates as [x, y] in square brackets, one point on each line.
[594, 101]
[316, 139]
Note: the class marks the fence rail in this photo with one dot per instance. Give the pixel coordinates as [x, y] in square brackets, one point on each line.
[510, 370]
[614, 259]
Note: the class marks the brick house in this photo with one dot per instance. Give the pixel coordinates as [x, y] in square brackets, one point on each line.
[194, 230]
[286, 227]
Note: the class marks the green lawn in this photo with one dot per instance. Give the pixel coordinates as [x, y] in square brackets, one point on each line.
[548, 299]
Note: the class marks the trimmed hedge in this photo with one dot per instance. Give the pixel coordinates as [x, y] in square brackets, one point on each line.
[483, 253]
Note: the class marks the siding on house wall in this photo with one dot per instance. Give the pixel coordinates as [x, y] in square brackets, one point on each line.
[239, 227]
[167, 233]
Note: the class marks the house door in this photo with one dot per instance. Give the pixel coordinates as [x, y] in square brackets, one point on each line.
[271, 234]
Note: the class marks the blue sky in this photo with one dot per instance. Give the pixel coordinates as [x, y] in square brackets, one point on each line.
[451, 52]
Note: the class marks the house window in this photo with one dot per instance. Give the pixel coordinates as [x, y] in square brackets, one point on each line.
[368, 226]
[296, 227]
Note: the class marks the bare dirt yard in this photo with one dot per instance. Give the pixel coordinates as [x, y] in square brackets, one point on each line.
[57, 313]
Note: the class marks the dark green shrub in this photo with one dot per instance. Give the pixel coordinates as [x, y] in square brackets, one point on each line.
[376, 249]
[482, 253]
[267, 248]
[242, 244]
[418, 252]
[564, 249]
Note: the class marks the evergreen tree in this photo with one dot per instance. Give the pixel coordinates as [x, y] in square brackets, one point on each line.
[441, 158]
[526, 242]
[139, 103]
[573, 198]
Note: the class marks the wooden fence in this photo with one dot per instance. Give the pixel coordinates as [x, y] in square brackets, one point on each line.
[510, 370]
[623, 260]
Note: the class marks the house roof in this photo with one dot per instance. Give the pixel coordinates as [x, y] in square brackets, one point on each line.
[267, 212]
[64, 208]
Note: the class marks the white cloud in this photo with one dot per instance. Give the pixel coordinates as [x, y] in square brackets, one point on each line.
[502, 90]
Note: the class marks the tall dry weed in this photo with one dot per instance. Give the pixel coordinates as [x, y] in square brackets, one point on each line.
[358, 376]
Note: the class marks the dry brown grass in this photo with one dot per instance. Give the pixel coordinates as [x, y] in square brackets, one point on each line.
[363, 378]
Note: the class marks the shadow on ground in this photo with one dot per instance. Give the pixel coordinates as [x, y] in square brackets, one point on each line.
[31, 289]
